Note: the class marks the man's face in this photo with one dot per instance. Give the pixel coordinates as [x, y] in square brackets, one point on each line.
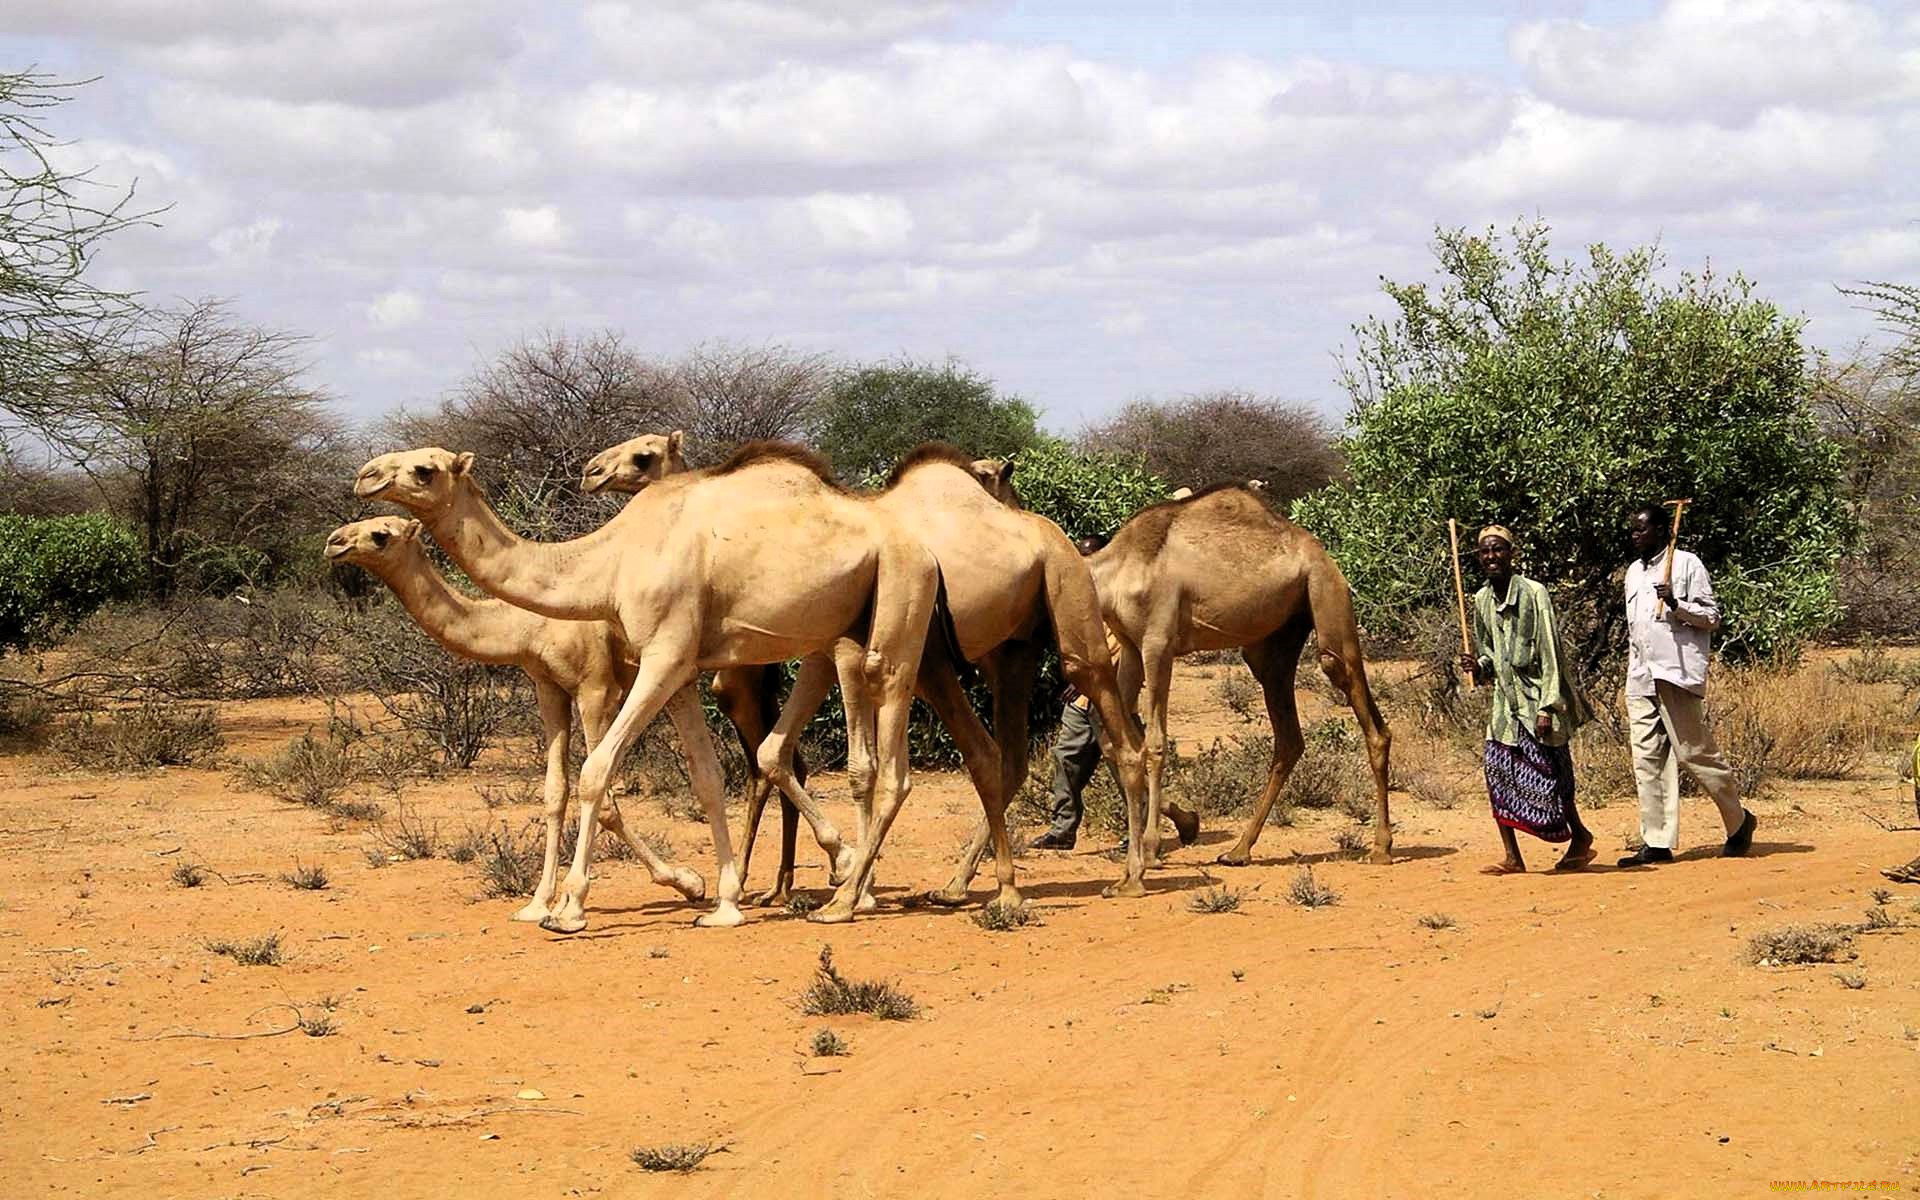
[1645, 538]
[1495, 555]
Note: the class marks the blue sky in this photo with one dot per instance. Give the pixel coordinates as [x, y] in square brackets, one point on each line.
[1087, 202]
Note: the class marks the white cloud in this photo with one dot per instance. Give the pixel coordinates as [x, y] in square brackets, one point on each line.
[861, 224]
[537, 228]
[248, 244]
[1880, 253]
[396, 309]
[1725, 59]
[705, 39]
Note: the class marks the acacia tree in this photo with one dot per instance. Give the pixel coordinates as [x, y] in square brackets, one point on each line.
[729, 394]
[537, 413]
[1223, 437]
[51, 223]
[201, 434]
[873, 415]
[1870, 403]
[1555, 397]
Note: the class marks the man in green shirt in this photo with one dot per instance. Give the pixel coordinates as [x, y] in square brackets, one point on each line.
[1536, 708]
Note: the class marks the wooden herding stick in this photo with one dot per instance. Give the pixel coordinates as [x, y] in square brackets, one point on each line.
[1673, 543]
[1460, 593]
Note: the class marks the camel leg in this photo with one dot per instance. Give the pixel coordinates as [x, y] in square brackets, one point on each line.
[775, 756]
[1348, 672]
[556, 725]
[597, 710]
[1156, 659]
[942, 691]
[663, 672]
[1274, 662]
[903, 604]
[749, 698]
[1011, 671]
[709, 783]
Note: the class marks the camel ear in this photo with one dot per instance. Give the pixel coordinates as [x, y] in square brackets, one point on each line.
[463, 462]
[1006, 473]
[411, 531]
[674, 439]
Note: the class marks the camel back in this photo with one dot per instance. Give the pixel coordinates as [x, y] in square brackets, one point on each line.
[929, 452]
[748, 454]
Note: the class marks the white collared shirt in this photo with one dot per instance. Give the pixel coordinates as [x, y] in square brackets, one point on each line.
[1673, 647]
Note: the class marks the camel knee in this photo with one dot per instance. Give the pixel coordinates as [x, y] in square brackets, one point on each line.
[775, 762]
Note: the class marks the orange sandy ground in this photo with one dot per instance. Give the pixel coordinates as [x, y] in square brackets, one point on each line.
[1584, 1035]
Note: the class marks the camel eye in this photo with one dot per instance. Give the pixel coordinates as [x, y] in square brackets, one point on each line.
[643, 460]
[423, 473]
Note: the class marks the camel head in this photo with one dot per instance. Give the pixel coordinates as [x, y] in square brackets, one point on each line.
[996, 475]
[634, 463]
[372, 542]
[420, 480]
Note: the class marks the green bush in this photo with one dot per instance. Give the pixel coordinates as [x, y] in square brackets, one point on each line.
[1556, 397]
[1084, 494]
[56, 570]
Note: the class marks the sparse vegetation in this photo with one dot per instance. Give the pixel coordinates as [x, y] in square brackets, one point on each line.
[189, 875]
[1436, 920]
[1216, 899]
[1791, 945]
[828, 1044]
[306, 879]
[320, 1024]
[509, 864]
[999, 918]
[1240, 694]
[1308, 892]
[801, 903]
[674, 1156]
[140, 737]
[410, 837]
[1851, 980]
[833, 994]
[1878, 918]
[262, 951]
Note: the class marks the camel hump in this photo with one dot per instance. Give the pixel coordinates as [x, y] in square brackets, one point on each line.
[930, 452]
[750, 454]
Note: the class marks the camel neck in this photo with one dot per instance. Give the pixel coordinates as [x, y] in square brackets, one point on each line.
[568, 580]
[467, 627]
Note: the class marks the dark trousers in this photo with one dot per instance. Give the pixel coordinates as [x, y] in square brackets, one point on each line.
[1076, 755]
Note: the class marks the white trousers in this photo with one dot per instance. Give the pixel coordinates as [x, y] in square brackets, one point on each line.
[1669, 730]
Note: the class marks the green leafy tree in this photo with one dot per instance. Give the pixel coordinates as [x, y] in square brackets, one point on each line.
[56, 570]
[873, 415]
[1555, 397]
[1084, 493]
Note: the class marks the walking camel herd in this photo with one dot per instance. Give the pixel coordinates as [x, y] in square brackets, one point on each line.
[906, 591]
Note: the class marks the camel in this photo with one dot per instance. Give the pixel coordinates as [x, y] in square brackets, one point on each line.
[1012, 580]
[759, 560]
[1218, 570]
[570, 662]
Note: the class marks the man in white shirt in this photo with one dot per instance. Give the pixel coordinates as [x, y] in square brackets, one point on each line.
[1668, 627]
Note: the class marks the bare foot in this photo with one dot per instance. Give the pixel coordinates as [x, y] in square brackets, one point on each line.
[1504, 868]
[1577, 857]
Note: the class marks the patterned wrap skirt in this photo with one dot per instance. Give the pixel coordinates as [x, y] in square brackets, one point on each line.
[1531, 787]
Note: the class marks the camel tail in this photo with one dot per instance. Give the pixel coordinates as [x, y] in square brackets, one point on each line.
[948, 634]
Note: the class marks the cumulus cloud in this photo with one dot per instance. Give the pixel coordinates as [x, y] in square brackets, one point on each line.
[708, 39]
[395, 309]
[1725, 59]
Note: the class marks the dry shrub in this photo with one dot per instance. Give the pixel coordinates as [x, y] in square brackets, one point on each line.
[832, 993]
[1333, 771]
[149, 734]
[1794, 725]
[26, 715]
[1001, 918]
[200, 647]
[306, 879]
[510, 864]
[263, 951]
[1308, 892]
[308, 770]
[1795, 944]
[1432, 789]
[1241, 695]
[1214, 900]
[1351, 841]
[1224, 779]
[410, 837]
[828, 1044]
[674, 1156]
[1602, 764]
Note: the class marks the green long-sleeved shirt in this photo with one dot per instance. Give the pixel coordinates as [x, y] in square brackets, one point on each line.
[1517, 641]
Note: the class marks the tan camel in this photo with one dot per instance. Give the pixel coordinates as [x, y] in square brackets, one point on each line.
[1220, 570]
[570, 662]
[760, 560]
[1013, 580]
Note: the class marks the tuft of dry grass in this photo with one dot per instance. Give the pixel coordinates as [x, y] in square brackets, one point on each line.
[833, 994]
[1215, 899]
[1241, 696]
[509, 864]
[828, 1044]
[1792, 945]
[1308, 892]
[147, 735]
[189, 875]
[410, 837]
[306, 879]
[1000, 918]
[263, 951]
[1436, 920]
[309, 771]
[674, 1156]
[1603, 765]
[1851, 980]
[1351, 841]
[1801, 724]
